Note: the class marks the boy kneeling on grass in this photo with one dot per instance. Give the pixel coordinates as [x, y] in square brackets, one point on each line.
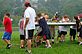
[45, 29]
[8, 29]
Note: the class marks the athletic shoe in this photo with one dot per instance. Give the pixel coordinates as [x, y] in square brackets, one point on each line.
[8, 46]
[49, 46]
[80, 43]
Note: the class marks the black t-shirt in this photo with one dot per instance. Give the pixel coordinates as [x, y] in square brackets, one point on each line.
[44, 26]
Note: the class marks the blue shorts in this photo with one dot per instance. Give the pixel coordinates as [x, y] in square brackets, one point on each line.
[6, 35]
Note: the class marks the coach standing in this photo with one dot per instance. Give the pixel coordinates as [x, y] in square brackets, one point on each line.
[29, 26]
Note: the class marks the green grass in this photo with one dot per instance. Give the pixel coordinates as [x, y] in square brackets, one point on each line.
[58, 48]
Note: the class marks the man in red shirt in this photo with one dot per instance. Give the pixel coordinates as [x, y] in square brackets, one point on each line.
[8, 29]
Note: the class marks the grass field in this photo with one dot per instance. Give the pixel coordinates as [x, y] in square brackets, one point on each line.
[57, 48]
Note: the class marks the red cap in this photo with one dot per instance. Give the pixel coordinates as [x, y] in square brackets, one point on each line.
[26, 3]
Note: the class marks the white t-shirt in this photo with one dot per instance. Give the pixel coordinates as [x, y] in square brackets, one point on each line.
[31, 14]
[62, 28]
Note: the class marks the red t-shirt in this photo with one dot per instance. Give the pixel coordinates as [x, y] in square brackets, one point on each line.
[7, 24]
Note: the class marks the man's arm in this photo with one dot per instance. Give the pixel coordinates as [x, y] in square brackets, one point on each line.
[26, 22]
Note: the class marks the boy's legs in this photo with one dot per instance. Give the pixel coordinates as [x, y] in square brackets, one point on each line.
[74, 37]
[74, 34]
[71, 34]
[6, 37]
[62, 37]
[63, 33]
[7, 41]
[22, 44]
[71, 38]
[80, 36]
[48, 43]
[22, 38]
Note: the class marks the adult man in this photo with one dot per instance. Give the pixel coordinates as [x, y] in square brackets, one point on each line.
[8, 29]
[29, 26]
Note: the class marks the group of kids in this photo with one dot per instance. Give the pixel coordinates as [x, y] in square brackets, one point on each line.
[44, 30]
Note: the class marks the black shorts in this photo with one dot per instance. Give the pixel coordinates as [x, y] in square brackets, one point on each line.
[72, 32]
[30, 34]
[22, 37]
[62, 32]
[47, 34]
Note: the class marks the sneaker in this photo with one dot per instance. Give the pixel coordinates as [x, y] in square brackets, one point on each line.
[49, 46]
[80, 43]
[8, 46]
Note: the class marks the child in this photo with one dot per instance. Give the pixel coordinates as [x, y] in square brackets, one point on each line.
[21, 30]
[45, 29]
[78, 27]
[8, 30]
[62, 30]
